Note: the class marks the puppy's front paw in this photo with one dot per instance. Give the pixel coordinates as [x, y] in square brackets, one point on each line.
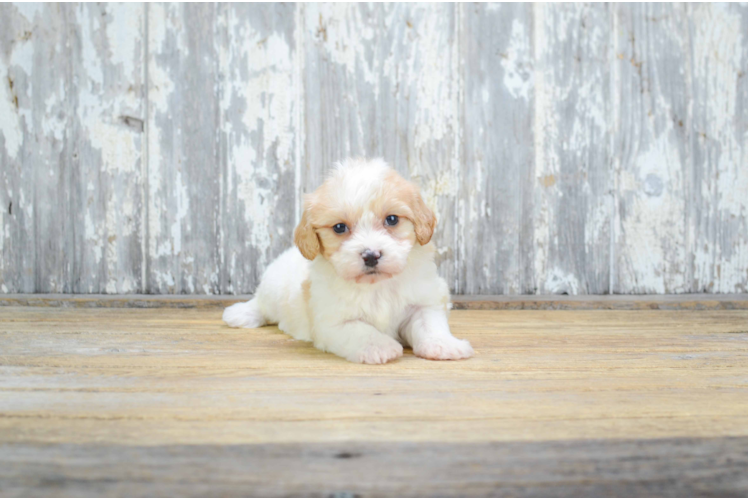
[449, 348]
[378, 353]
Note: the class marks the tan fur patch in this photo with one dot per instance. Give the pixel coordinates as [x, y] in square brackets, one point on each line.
[411, 203]
[323, 209]
[305, 237]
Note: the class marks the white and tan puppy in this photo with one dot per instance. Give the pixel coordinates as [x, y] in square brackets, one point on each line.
[362, 281]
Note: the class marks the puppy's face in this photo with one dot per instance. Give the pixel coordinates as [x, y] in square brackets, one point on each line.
[364, 220]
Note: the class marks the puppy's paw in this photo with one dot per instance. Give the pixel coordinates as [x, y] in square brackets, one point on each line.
[378, 353]
[244, 315]
[444, 348]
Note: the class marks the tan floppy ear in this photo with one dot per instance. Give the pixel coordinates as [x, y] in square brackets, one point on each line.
[424, 219]
[305, 237]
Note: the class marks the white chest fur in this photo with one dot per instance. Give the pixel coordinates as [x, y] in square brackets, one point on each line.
[384, 305]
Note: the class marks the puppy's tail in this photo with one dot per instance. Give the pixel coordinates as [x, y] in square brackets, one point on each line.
[244, 315]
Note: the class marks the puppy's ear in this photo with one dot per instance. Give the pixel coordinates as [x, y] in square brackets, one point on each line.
[305, 237]
[424, 219]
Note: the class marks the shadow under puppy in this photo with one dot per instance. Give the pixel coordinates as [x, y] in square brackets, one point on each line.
[361, 281]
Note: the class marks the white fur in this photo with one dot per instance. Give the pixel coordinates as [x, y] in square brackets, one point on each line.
[364, 322]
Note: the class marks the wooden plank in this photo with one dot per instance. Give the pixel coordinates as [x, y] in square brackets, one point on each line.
[339, 121]
[679, 467]
[107, 46]
[537, 375]
[698, 302]
[652, 102]
[259, 105]
[184, 174]
[71, 228]
[16, 226]
[36, 157]
[492, 236]
[719, 204]
[384, 80]
[143, 402]
[125, 301]
[572, 182]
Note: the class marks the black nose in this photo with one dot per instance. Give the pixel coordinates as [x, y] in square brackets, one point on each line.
[371, 257]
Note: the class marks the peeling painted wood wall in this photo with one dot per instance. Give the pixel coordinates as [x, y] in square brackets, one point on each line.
[567, 148]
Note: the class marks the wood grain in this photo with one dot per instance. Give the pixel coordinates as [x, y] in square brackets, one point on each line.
[108, 101]
[678, 467]
[184, 178]
[718, 218]
[497, 175]
[73, 75]
[135, 402]
[259, 105]
[653, 149]
[579, 149]
[37, 158]
[572, 180]
[595, 374]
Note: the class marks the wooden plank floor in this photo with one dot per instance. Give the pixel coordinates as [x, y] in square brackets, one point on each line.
[135, 402]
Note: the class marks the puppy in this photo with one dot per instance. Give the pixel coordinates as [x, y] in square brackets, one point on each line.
[361, 282]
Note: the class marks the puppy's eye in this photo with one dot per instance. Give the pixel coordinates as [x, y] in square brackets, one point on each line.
[340, 228]
[391, 220]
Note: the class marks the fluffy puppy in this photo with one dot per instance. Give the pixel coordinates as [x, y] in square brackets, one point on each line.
[361, 282]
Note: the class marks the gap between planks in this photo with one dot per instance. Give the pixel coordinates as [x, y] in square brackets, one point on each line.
[697, 302]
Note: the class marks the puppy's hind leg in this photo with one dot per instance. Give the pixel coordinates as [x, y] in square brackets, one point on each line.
[244, 315]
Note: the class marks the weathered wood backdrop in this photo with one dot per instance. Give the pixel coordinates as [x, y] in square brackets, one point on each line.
[567, 148]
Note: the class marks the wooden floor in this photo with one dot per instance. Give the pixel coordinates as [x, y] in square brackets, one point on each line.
[142, 402]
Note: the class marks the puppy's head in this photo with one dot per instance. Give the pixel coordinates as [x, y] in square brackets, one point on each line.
[364, 220]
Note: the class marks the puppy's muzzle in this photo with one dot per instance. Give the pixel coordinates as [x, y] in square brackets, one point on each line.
[371, 257]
